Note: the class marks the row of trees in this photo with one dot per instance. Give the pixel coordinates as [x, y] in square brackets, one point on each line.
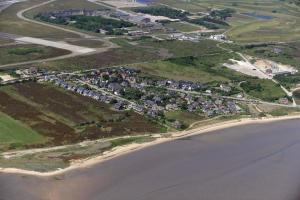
[163, 11]
[89, 23]
[216, 19]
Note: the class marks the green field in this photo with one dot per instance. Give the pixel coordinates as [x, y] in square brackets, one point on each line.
[186, 118]
[184, 27]
[27, 52]
[263, 89]
[183, 48]
[14, 134]
[176, 71]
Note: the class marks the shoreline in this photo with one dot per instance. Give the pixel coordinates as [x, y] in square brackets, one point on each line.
[126, 149]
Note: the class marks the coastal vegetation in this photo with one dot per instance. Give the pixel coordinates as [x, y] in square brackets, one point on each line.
[62, 157]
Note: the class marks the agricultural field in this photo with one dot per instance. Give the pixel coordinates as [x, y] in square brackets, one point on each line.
[27, 52]
[66, 117]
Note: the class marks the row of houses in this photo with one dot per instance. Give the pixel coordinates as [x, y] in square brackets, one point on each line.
[128, 89]
[86, 91]
[158, 96]
[71, 12]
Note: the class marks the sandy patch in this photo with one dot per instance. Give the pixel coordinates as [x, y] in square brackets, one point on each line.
[246, 68]
[273, 68]
[6, 77]
[159, 18]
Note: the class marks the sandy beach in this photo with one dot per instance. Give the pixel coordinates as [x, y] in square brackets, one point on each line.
[122, 150]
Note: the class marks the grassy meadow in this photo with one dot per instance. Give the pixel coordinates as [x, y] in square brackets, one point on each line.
[15, 134]
[27, 52]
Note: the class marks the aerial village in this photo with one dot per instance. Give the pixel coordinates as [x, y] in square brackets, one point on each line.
[127, 88]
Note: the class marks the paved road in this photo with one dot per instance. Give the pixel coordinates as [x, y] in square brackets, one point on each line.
[253, 162]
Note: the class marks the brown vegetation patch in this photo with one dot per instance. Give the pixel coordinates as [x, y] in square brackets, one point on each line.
[30, 116]
[67, 117]
[109, 58]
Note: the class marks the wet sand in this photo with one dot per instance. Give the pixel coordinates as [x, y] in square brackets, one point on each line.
[250, 162]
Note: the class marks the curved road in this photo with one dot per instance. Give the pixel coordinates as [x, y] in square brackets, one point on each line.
[20, 14]
[251, 162]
